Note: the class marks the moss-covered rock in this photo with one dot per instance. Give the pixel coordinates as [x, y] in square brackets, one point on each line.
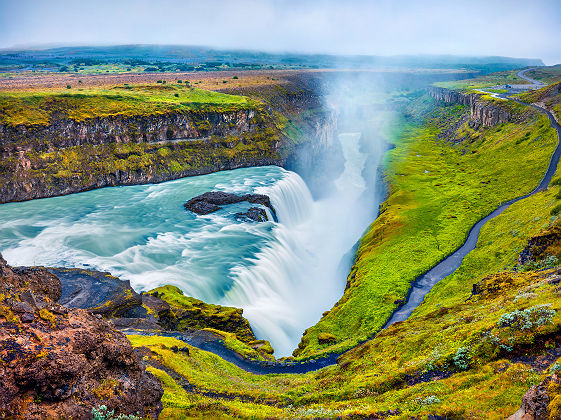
[326, 338]
[190, 313]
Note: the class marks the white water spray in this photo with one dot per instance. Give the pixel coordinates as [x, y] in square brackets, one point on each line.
[288, 285]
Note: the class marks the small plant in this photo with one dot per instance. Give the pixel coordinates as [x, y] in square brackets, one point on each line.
[176, 95]
[462, 358]
[103, 413]
[68, 86]
[428, 400]
[555, 368]
[547, 262]
[528, 319]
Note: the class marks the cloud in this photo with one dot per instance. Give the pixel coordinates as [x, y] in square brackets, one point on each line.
[385, 27]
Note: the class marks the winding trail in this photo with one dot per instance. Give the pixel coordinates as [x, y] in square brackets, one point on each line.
[419, 288]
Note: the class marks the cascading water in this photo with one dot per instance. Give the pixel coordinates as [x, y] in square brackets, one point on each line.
[294, 279]
[283, 274]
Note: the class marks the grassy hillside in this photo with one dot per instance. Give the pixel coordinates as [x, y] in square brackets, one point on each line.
[439, 187]
[43, 106]
[549, 96]
[493, 79]
[550, 74]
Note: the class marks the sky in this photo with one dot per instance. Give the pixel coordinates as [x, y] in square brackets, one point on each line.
[515, 28]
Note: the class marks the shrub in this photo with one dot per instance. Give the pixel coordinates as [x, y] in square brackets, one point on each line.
[428, 400]
[103, 413]
[462, 358]
[555, 368]
[547, 262]
[528, 319]
[556, 210]
[235, 77]
[179, 81]
[68, 86]
[176, 95]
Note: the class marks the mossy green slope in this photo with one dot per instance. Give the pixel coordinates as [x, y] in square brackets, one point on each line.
[41, 107]
[188, 313]
[549, 96]
[439, 188]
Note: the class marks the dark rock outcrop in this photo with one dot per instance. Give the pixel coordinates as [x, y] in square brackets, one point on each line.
[100, 293]
[482, 113]
[542, 401]
[254, 214]
[210, 202]
[544, 244]
[164, 308]
[61, 363]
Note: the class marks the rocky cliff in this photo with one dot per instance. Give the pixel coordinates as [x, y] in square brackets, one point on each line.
[173, 126]
[482, 112]
[68, 156]
[57, 362]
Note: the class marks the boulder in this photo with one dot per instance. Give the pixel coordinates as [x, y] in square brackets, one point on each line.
[61, 363]
[210, 202]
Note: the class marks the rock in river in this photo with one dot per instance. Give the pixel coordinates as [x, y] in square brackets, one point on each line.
[210, 202]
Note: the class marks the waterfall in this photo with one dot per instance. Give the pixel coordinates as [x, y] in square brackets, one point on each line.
[283, 274]
[288, 284]
[291, 199]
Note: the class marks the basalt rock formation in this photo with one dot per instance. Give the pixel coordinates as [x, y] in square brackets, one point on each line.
[67, 132]
[481, 112]
[542, 401]
[545, 244]
[212, 201]
[61, 363]
[253, 214]
[70, 156]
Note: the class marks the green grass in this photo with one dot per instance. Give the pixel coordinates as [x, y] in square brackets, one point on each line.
[550, 96]
[493, 79]
[45, 106]
[550, 74]
[437, 192]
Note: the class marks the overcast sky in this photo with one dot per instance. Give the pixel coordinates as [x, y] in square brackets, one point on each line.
[530, 28]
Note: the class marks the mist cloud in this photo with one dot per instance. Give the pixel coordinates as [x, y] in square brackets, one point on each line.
[478, 27]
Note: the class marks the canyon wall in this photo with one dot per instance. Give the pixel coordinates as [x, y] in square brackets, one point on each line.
[171, 126]
[482, 112]
[69, 156]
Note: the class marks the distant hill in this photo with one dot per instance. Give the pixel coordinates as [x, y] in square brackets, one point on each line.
[203, 58]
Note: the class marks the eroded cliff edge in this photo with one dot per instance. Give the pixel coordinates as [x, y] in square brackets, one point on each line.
[482, 113]
[65, 154]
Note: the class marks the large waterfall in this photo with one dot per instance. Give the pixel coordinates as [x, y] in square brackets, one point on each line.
[284, 274]
[302, 273]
